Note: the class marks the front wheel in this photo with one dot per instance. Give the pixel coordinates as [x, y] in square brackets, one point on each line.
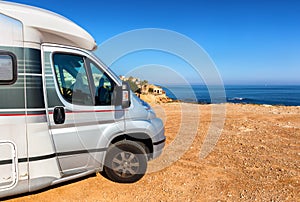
[125, 162]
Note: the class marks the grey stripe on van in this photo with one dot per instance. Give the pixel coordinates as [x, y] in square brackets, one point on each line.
[13, 96]
[92, 123]
[54, 155]
[22, 112]
[32, 59]
[47, 63]
[34, 92]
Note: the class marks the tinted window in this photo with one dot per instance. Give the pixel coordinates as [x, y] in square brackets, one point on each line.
[8, 68]
[103, 85]
[72, 78]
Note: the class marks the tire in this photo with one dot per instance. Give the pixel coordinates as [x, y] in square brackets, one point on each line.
[125, 162]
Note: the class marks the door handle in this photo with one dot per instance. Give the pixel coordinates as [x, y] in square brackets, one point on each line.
[59, 115]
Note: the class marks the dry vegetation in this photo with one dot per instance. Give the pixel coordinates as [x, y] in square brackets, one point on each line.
[256, 158]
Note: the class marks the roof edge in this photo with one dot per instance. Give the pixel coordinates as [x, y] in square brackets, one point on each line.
[52, 27]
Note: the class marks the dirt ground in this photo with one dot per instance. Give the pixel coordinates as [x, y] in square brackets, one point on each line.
[257, 158]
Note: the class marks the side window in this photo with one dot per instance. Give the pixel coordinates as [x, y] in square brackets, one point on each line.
[8, 68]
[72, 78]
[104, 85]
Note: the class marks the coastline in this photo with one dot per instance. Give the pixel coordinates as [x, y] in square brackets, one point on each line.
[287, 95]
[153, 99]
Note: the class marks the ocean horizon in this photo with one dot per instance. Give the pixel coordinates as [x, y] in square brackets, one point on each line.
[287, 95]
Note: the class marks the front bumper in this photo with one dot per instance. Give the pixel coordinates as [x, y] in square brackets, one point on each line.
[159, 139]
[158, 148]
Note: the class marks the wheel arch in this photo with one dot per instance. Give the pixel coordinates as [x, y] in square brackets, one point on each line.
[142, 138]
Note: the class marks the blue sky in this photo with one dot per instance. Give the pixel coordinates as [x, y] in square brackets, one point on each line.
[250, 41]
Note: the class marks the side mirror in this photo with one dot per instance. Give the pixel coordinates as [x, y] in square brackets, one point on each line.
[122, 95]
[59, 115]
[125, 95]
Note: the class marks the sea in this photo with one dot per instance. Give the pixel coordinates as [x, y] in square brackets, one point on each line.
[287, 95]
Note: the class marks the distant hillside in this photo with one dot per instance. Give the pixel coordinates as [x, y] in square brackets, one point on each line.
[148, 92]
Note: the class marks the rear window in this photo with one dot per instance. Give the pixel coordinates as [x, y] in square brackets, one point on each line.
[8, 68]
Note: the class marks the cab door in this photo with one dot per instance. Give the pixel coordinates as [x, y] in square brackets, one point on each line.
[80, 109]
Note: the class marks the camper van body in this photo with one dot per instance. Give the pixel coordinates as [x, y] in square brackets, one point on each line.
[49, 133]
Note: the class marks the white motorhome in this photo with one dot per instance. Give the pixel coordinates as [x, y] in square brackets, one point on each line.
[63, 113]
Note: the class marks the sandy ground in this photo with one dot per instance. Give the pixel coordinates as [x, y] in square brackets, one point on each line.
[257, 158]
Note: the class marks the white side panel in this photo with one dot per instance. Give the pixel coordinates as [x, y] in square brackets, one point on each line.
[13, 129]
[39, 139]
[11, 32]
[12, 114]
[41, 147]
[9, 171]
